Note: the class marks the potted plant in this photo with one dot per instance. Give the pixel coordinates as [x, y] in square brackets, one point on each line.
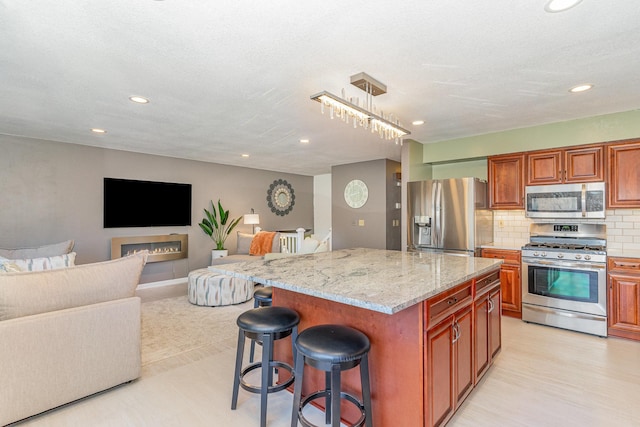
[217, 225]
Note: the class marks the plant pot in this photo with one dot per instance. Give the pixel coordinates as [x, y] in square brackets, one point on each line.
[215, 253]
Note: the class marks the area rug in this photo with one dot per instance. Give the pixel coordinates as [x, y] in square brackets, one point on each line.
[172, 326]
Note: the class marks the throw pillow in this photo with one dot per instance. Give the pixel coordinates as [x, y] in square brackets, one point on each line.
[33, 292]
[309, 245]
[244, 243]
[322, 247]
[38, 252]
[46, 263]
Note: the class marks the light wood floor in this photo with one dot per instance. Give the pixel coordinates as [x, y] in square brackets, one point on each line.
[543, 377]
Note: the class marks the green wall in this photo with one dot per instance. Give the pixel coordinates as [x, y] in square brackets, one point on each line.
[610, 127]
[419, 171]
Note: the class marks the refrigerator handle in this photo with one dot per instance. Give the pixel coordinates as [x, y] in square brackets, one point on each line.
[438, 215]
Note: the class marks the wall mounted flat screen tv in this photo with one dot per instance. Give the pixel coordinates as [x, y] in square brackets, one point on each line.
[131, 203]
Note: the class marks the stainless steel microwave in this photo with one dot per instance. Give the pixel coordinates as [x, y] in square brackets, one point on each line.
[565, 200]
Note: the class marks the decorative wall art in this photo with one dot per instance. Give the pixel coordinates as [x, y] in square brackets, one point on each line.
[280, 197]
[356, 193]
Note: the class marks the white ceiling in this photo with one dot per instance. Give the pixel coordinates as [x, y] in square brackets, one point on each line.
[232, 77]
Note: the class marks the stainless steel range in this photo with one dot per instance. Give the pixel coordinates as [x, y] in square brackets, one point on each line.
[564, 277]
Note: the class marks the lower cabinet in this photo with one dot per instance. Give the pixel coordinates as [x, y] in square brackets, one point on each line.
[624, 297]
[462, 337]
[510, 272]
[488, 330]
[450, 365]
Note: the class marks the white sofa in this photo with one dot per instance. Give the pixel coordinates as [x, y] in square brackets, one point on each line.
[67, 333]
[284, 244]
[242, 250]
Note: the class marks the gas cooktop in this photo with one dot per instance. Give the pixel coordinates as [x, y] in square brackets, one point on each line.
[567, 241]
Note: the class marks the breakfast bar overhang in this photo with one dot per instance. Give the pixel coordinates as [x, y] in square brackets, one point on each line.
[428, 316]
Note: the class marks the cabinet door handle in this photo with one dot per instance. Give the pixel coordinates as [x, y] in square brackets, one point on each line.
[456, 332]
[452, 301]
[626, 264]
[491, 306]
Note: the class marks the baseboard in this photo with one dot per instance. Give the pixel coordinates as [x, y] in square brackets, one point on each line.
[162, 289]
[161, 283]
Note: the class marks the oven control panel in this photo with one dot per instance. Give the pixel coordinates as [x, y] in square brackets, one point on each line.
[573, 228]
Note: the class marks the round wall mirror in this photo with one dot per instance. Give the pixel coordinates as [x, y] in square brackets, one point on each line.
[280, 197]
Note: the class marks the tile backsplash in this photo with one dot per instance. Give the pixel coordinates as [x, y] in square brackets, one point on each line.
[511, 229]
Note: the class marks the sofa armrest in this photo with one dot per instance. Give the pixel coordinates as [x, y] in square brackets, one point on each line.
[49, 359]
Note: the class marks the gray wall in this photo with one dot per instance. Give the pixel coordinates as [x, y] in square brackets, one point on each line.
[377, 213]
[52, 192]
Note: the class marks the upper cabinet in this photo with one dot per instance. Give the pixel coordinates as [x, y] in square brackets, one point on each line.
[623, 166]
[506, 181]
[576, 164]
[510, 173]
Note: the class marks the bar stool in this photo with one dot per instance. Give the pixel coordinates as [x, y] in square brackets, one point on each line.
[332, 349]
[262, 297]
[264, 324]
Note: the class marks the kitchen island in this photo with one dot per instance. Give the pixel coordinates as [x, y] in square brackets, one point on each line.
[419, 311]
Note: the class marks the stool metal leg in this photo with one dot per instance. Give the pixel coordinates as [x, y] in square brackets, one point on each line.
[366, 390]
[297, 388]
[236, 376]
[253, 343]
[267, 376]
[327, 398]
[335, 395]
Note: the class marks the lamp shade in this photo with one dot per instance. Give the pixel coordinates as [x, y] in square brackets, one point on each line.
[251, 219]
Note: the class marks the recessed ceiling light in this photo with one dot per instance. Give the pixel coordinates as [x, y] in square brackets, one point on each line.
[245, 155]
[580, 88]
[97, 130]
[554, 6]
[417, 122]
[139, 99]
[304, 141]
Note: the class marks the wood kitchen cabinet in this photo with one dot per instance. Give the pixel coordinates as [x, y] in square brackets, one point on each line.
[506, 181]
[510, 280]
[449, 345]
[623, 174]
[487, 323]
[571, 165]
[624, 297]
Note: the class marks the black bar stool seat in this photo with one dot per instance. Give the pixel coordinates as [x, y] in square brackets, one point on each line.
[332, 349]
[266, 325]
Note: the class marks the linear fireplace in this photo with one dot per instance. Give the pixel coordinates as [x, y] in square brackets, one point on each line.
[165, 247]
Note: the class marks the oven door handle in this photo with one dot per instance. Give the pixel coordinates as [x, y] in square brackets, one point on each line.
[565, 313]
[542, 263]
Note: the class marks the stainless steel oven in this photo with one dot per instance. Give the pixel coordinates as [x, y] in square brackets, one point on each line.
[564, 277]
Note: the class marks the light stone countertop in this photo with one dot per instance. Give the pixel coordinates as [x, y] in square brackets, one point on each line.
[374, 279]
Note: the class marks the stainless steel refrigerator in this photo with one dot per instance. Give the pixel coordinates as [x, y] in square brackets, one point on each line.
[449, 215]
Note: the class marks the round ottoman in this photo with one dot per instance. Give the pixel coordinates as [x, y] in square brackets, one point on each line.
[213, 289]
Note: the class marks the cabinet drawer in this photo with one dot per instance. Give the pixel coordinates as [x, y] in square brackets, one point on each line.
[485, 283]
[629, 265]
[509, 257]
[448, 303]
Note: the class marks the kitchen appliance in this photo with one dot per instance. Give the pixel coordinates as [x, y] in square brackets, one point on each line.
[564, 277]
[449, 215]
[565, 200]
